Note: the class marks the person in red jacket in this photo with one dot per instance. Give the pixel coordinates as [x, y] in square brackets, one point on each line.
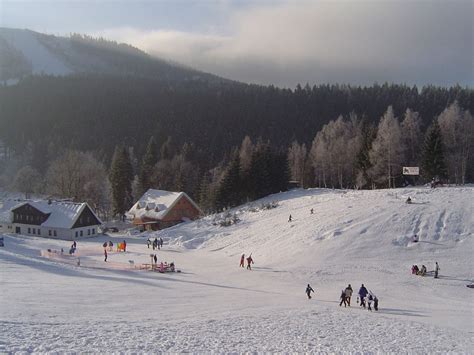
[249, 262]
[242, 260]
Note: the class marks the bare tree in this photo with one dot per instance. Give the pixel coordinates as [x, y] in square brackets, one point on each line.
[334, 151]
[411, 137]
[387, 152]
[79, 176]
[28, 180]
[457, 131]
[246, 150]
[297, 155]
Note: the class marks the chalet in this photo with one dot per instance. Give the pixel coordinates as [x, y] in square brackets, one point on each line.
[53, 219]
[158, 209]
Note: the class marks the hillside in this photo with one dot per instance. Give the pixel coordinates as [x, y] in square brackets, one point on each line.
[25, 52]
[213, 305]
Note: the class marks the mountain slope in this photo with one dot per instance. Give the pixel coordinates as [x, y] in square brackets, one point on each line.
[25, 52]
[51, 304]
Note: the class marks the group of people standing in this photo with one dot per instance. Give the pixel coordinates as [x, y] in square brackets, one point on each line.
[366, 298]
[249, 261]
[156, 244]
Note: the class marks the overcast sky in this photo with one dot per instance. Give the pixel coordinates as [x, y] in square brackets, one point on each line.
[281, 42]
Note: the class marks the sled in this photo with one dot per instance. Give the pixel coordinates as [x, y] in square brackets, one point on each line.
[470, 286]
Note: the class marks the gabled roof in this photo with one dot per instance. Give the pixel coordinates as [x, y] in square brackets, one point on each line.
[155, 204]
[62, 214]
[6, 207]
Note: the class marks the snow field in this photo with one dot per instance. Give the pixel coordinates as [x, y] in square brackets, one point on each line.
[52, 305]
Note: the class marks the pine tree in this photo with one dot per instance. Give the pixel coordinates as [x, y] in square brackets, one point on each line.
[149, 161]
[229, 193]
[433, 162]
[121, 177]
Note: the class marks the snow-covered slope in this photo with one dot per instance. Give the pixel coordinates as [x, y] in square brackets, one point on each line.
[25, 52]
[51, 304]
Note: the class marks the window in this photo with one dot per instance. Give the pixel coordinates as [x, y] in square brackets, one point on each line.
[39, 231]
[49, 232]
[54, 232]
[34, 230]
[88, 232]
[29, 230]
[81, 234]
[93, 231]
[77, 234]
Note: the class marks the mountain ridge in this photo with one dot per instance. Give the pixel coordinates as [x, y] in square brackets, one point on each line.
[24, 52]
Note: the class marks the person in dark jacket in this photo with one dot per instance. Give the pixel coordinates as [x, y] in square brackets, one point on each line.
[105, 255]
[348, 291]
[309, 289]
[436, 270]
[362, 293]
[161, 242]
[376, 303]
[124, 246]
[249, 262]
[343, 298]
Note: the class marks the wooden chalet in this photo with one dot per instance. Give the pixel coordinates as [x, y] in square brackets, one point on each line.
[158, 209]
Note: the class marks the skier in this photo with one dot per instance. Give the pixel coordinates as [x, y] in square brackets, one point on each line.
[436, 270]
[348, 291]
[312, 211]
[105, 255]
[362, 293]
[343, 298]
[289, 218]
[249, 261]
[242, 260]
[309, 289]
[155, 243]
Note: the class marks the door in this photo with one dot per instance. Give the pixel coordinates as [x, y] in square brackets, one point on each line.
[17, 230]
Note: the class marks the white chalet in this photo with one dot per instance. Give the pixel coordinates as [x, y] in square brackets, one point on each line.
[53, 219]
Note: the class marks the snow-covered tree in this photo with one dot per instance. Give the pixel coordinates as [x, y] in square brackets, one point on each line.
[297, 155]
[386, 154]
[121, 177]
[457, 130]
[28, 180]
[411, 137]
[78, 175]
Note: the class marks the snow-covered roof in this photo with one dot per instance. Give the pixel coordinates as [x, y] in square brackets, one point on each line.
[155, 204]
[6, 207]
[62, 214]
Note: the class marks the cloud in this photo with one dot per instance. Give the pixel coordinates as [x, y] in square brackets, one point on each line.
[417, 42]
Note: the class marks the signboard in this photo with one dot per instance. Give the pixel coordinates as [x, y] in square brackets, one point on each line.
[411, 170]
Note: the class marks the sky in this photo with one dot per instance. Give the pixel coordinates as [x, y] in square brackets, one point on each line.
[281, 42]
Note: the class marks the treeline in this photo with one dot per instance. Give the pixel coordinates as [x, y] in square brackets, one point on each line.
[43, 116]
[106, 140]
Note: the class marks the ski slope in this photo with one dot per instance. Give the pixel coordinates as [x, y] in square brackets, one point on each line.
[50, 304]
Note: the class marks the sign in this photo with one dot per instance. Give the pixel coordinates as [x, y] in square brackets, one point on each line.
[411, 170]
